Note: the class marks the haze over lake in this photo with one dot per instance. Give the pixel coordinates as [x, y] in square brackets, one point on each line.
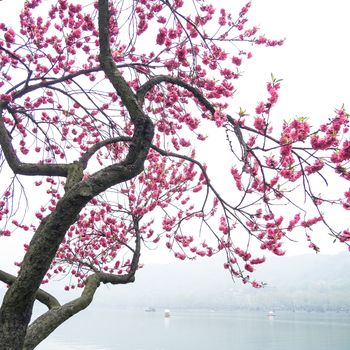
[113, 329]
[308, 282]
[309, 294]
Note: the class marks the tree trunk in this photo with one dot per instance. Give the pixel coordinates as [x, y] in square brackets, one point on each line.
[14, 328]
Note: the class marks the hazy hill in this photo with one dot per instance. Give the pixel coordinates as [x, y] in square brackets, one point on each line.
[309, 282]
[314, 282]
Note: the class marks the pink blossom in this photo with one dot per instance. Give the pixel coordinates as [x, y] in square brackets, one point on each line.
[236, 60]
[344, 236]
[316, 167]
[237, 178]
[249, 267]
[257, 261]
[180, 256]
[260, 108]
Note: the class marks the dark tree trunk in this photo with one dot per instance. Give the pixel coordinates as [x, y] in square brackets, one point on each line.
[16, 309]
[13, 328]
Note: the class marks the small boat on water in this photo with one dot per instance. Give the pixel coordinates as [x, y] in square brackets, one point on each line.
[150, 309]
[271, 313]
[166, 313]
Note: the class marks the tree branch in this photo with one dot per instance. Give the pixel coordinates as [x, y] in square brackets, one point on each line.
[146, 87]
[50, 81]
[110, 68]
[45, 298]
[44, 325]
[16, 57]
[142, 91]
[19, 167]
[88, 154]
[201, 167]
[143, 126]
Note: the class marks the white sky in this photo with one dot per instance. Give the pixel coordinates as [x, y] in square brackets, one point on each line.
[313, 63]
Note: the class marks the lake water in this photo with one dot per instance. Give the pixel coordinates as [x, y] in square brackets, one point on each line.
[107, 329]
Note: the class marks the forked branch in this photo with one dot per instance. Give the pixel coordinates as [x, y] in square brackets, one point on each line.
[45, 298]
[44, 325]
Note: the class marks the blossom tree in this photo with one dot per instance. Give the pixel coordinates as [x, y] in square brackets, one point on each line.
[102, 108]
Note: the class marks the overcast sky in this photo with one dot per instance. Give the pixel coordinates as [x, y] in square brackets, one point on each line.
[313, 62]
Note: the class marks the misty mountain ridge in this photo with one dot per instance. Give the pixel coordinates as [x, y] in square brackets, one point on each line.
[311, 282]
[306, 282]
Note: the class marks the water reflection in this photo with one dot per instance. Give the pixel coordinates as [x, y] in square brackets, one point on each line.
[166, 322]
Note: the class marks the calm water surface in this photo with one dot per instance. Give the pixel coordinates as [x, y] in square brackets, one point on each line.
[108, 329]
